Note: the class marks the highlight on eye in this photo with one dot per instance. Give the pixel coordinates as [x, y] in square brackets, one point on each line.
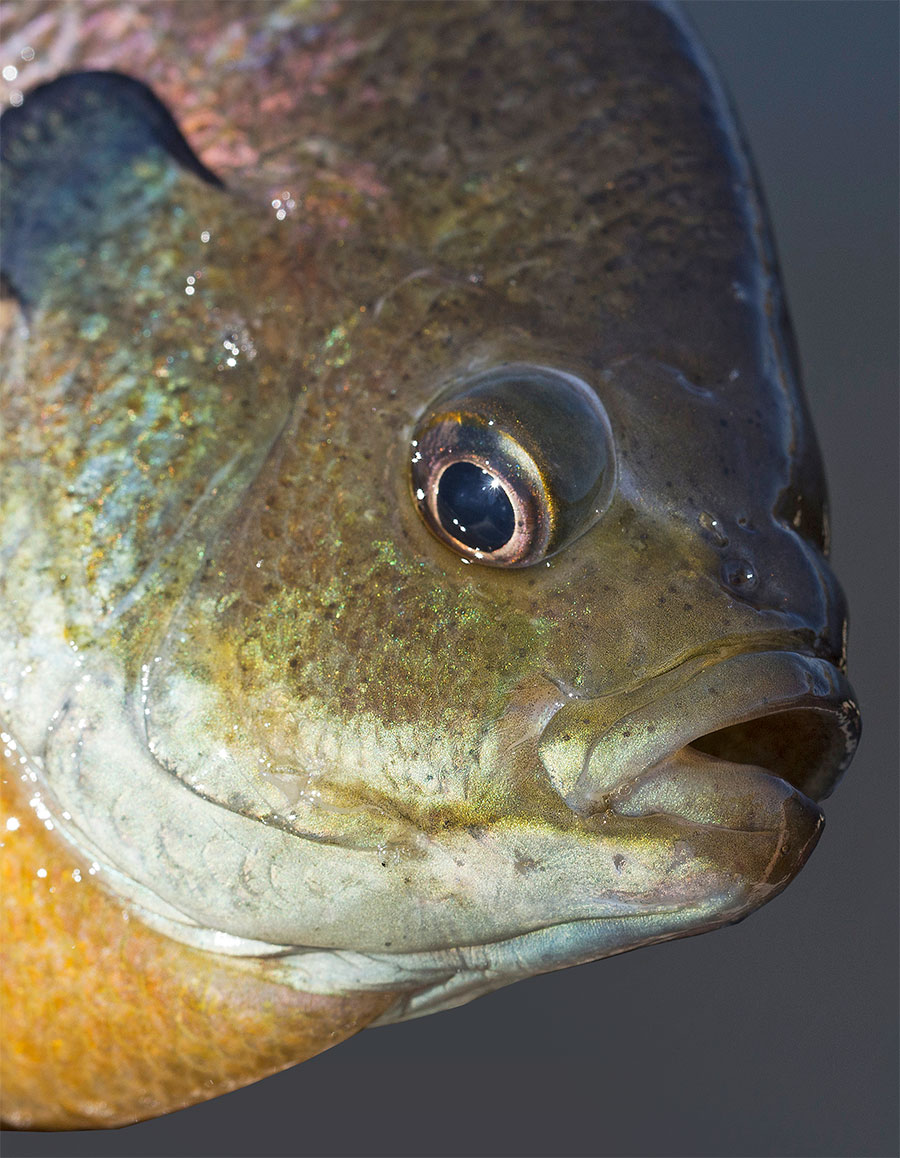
[512, 464]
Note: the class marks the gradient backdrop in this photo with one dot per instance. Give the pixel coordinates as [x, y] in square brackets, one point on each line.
[777, 1036]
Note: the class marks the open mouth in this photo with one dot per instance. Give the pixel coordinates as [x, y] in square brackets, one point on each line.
[807, 747]
[711, 782]
[722, 746]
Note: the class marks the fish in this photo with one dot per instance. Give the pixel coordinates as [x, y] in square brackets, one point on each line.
[293, 751]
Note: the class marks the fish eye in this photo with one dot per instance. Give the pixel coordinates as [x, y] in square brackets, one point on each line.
[511, 465]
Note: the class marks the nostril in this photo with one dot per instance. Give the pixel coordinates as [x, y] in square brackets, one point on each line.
[740, 576]
[803, 746]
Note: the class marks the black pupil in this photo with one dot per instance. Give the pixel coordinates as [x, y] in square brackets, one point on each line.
[474, 508]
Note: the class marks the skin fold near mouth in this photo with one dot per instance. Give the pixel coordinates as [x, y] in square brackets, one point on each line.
[733, 812]
[784, 714]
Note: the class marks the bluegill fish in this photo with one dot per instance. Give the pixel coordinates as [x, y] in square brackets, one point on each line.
[413, 587]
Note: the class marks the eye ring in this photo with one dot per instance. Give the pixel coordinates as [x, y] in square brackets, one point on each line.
[530, 527]
[510, 465]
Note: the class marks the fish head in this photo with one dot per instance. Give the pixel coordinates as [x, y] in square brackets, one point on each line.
[480, 623]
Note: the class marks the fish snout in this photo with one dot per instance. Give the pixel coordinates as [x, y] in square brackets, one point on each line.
[729, 743]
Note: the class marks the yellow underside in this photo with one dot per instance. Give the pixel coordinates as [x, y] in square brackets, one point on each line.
[105, 1022]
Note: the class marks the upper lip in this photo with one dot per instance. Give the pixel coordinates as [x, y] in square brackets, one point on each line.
[792, 714]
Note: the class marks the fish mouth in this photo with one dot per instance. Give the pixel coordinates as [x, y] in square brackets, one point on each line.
[697, 805]
[706, 789]
[728, 742]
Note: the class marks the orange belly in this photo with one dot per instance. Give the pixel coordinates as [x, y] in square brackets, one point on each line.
[106, 1022]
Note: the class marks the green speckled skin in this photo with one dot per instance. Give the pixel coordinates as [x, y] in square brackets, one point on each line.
[308, 723]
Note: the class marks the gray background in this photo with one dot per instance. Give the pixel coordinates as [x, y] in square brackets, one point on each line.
[777, 1036]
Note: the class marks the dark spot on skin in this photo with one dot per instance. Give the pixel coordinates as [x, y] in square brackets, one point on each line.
[88, 129]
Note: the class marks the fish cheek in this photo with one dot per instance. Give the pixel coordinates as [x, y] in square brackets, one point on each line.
[328, 645]
[396, 643]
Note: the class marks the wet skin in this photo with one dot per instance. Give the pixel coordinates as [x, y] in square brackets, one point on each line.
[245, 668]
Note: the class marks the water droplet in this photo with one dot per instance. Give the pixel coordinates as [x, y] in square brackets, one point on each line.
[713, 528]
[739, 575]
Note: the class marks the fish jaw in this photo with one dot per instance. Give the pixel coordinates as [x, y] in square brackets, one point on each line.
[709, 839]
[458, 902]
[227, 1021]
[681, 869]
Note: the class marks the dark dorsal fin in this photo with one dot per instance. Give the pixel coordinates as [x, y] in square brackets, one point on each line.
[68, 168]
